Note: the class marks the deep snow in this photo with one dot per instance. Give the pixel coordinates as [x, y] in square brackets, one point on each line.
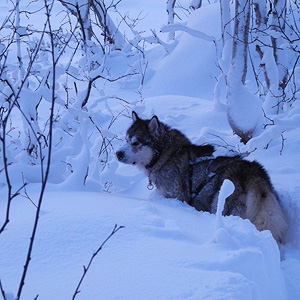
[167, 250]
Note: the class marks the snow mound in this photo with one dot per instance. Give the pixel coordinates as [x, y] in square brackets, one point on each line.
[167, 250]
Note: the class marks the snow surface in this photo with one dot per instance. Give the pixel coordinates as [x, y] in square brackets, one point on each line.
[167, 249]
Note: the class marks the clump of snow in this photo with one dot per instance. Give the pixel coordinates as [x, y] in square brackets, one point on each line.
[244, 110]
[226, 190]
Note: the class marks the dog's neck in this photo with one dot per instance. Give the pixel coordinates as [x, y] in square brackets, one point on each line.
[153, 161]
[157, 155]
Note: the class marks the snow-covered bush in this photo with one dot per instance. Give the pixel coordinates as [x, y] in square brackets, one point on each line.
[66, 73]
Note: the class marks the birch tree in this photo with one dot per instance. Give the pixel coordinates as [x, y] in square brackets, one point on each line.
[261, 22]
[278, 26]
[244, 110]
[270, 24]
[277, 87]
[226, 30]
[171, 14]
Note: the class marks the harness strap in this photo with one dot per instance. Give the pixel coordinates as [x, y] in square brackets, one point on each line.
[209, 176]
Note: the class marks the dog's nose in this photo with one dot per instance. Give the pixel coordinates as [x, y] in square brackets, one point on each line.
[120, 155]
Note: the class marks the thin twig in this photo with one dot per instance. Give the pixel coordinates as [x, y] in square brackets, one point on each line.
[85, 269]
[282, 143]
[2, 291]
[84, 102]
[25, 191]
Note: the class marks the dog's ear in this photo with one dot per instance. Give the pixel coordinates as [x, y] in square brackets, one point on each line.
[135, 117]
[153, 125]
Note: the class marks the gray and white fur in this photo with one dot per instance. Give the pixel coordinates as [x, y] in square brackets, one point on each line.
[188, 172]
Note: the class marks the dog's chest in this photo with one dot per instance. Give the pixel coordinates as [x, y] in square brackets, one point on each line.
[168, 181]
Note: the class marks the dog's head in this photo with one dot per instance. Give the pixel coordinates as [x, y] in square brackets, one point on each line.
[141, 139]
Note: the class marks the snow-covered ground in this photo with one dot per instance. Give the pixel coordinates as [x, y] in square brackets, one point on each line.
[167, 249]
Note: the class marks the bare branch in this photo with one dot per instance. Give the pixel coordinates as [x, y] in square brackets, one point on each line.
[2, 291]
[91, 81]
[85, 269]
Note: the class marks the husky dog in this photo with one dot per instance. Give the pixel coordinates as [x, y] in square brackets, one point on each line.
[182, 170]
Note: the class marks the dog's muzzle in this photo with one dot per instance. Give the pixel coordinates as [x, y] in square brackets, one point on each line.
[120, 155]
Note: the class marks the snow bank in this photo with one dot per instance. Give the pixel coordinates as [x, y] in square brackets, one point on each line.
[166, 251]
[178, 73]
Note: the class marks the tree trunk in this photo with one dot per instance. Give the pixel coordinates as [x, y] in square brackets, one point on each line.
[226, 36]
[278, 25]
[240, 37]
[170, 11]
[110, 30]
[244, 110]
[262, 39]
[81, 12]
[269, 43]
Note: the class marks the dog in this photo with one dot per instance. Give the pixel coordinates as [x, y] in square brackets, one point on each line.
[190, 173]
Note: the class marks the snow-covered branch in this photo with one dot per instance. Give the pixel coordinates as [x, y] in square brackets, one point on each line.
[192, 32]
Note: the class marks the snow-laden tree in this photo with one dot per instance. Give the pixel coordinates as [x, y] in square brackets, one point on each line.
[45, 134]
[82, 11]
[270, 45]
[265, 29]
[244, 111]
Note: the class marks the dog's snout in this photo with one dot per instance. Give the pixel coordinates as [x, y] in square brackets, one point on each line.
[120, 155]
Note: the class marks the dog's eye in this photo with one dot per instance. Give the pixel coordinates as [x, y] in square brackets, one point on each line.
[135, 143]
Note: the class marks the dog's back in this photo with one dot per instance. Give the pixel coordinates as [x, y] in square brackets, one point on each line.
[254, 197]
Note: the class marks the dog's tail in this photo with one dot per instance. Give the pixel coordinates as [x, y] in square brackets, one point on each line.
[265, 212]
[261, 201]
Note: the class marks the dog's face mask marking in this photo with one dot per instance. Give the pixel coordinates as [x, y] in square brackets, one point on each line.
[138, 149]
[135, 153]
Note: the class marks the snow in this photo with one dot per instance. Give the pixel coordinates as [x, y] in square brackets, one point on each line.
[190, 83]
[226, 190]
[167, 249]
